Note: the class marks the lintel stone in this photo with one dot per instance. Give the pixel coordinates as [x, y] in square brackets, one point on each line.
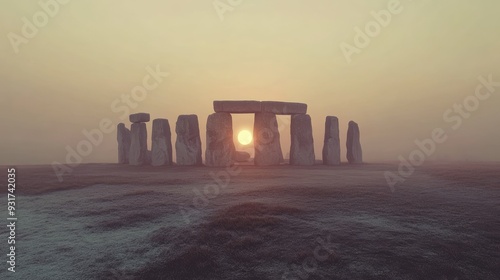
[237, 106]
[284, 108]
[248, 107]
[139, 118]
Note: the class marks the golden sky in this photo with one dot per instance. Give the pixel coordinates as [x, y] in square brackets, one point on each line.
[88, 54]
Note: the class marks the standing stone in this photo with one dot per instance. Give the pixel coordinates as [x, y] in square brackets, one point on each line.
[220, 145]
[123, 138]
[188, 142]
[302, 148]
[331, 148]
[161, 147]
[149, 157]
[138, 144]
[267, 140]
[354, 152]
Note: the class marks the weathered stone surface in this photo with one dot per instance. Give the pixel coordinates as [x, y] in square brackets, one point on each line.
[284, 108]
[247, 106]
[302, 147]
[138, 144]
[220, 145]
[123, 138]
[267, 140]
[354, 152]
[331, 147]
[139, 118]
[149, 157]
[240, 156]
[161, 147]
[237, 106]
[188, 143]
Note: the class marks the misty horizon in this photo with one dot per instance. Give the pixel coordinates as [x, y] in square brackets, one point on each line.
[398, 89]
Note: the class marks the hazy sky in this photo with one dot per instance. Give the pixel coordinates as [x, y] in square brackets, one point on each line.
[397, 88]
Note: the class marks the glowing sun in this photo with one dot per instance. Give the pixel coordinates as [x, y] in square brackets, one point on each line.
[245, 137]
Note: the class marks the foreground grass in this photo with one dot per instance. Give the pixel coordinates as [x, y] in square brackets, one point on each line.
[441, 224]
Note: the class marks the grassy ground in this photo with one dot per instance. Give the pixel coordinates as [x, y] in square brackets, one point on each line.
[108, 221]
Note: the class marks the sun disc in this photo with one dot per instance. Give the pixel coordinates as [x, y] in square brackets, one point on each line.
[245, 137]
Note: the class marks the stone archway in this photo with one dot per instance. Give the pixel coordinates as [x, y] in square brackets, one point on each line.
[220, 145]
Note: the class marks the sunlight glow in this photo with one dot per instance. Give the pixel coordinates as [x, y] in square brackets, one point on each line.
[245, 137]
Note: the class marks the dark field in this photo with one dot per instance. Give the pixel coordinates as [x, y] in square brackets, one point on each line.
[107, 221]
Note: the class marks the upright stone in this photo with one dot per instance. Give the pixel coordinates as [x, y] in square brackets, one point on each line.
[188, 142]
[331, 147]
[302, 148]
[220, 145]
[123, 138]
[149, 157]
[138, 144]
[161, 147]
[267, 140]
[354, 152]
